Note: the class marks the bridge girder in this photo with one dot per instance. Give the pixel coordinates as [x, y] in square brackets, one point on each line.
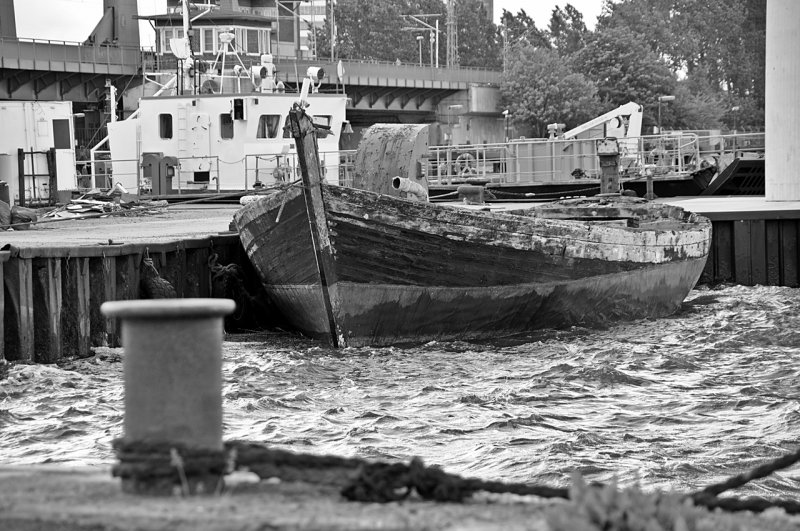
[404, 98]
[34, 82]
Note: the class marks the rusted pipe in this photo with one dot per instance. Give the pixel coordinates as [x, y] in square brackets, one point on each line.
[173, 394]
[414, 190]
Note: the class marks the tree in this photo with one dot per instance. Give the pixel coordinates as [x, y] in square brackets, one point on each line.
[375, 30]
[477, 35]
[724, 39]
[521, 28]
[369, 30]
[567, 29]
[539, 88]
[697, 105]
[623, 68]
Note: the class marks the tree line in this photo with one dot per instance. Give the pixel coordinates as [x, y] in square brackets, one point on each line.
[710, 55]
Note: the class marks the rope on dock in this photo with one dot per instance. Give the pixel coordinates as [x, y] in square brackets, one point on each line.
[362, 480]
[376, 481]
[151, 460]
[386, 482]
[708, 496]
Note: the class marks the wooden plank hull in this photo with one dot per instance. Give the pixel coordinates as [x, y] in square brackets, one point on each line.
[411, 272]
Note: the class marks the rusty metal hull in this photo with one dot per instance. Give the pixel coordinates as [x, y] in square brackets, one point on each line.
[407, 271]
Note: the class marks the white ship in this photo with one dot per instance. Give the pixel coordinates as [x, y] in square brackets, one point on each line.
[217, 126]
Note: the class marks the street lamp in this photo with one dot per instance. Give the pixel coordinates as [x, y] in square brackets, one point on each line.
[505, 119]
[662, 99]
[419, 40]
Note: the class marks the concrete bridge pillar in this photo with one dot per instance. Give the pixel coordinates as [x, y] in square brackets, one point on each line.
[782, 164]
[118, 25]
[8, 21]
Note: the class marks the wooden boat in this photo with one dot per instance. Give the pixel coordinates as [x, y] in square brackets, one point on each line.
[362, 268]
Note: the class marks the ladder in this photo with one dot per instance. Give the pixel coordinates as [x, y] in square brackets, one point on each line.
[36, 197]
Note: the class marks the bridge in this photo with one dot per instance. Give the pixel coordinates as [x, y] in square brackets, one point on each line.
[44, 69]
[32, 69]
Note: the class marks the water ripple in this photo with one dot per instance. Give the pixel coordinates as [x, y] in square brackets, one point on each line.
[673, 403]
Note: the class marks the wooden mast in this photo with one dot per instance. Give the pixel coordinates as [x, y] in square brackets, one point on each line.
[304, 133]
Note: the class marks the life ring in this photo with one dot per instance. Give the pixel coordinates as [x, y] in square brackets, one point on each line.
[468, 172]
[465, 161]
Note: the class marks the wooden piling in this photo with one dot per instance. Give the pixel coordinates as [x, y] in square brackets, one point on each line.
[18, 319]
[47, 303]
[3, 259]
[102, 276]
[76, 309]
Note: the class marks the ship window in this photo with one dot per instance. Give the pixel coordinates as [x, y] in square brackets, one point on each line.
[165, 125]
[322, 119]
[252, 41]
[202, 176]
[263, 38]
[238, 109]
[268, 125]
[226, 126]
[166, 34]
[208, 41]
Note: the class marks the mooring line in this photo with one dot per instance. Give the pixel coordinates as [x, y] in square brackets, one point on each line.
[379, 481]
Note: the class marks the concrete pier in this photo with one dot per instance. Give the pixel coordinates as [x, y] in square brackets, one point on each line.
[58, 499]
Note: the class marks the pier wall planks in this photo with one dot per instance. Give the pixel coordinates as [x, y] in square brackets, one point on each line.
[754, 252]
[51, 297]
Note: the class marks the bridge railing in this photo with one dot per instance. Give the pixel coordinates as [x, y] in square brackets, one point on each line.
[70, 56]
[66, 56]
[355, 72]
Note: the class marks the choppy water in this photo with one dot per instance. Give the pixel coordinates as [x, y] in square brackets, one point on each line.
[675, 403]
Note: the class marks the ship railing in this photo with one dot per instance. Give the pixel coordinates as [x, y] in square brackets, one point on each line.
[98, 169]
[104, 172]
[672, 154]
[196, 174]
[261, 169]
[554, 161]
[354, 69]
[347, 167]
[720, 150]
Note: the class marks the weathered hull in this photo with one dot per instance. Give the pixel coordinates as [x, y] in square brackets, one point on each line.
[413, 272]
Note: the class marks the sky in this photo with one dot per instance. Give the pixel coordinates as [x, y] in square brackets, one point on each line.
[73, 20]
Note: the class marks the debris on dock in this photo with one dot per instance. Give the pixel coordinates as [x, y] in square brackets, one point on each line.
[115, 200]
[16, 217]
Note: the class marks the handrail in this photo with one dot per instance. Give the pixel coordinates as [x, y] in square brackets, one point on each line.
[67, 55]
[523, 161]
